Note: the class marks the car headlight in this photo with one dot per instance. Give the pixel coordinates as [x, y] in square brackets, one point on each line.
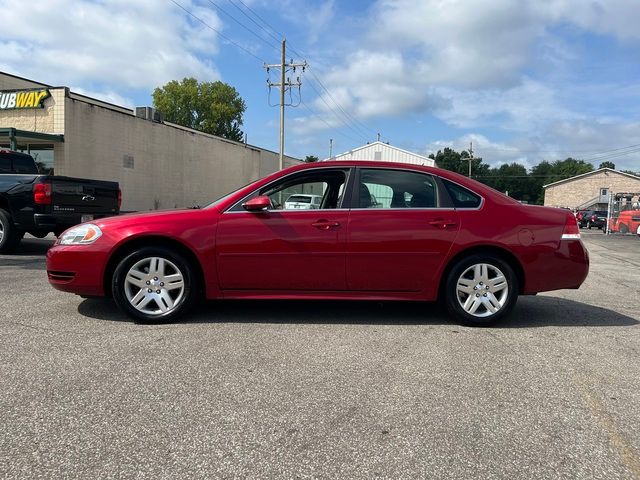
[81, 235]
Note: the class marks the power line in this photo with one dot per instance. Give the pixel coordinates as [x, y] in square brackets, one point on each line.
[323, 120]
[242, 24]
[256, 23]
[350, 118]
[217, 31]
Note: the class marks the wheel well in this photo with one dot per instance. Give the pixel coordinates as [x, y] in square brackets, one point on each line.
[497, 251]
[151, 241]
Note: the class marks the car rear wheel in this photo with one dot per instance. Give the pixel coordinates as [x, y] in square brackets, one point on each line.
[481, 290]
[622, 228]
[154, 285]
[10, 236]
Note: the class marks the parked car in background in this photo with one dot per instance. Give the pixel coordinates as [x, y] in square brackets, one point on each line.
[593, 219]
[456, 240]
[301, 201]
[40, 204]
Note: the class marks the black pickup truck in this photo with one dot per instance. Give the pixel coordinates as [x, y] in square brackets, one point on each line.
[40, 204]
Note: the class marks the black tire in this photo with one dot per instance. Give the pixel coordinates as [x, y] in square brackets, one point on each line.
[122, 288]
[10, 236]
[483, 317]
[589, 225]
[622, 228]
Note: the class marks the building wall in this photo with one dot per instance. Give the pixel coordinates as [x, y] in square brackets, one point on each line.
[172, 166]
[387, 153]
[575, 193]
[10, 82]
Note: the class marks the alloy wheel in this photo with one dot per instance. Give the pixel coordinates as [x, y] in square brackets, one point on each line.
[482, 290]
[154, 286]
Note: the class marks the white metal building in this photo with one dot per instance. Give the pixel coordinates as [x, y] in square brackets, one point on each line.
[384, 152]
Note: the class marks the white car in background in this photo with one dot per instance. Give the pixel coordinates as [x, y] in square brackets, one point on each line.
[301, 201]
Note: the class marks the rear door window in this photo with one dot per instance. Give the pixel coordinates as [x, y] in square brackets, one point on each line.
[462, 197]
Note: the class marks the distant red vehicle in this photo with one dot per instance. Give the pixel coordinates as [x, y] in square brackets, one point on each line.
[625, 222]
[430, 234]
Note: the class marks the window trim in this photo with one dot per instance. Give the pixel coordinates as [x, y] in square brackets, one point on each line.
[479, 207]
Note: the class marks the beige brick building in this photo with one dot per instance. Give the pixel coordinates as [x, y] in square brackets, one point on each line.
[158, 164]
[590, 190]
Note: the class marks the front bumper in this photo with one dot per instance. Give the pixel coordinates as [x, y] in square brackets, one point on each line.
[77, 269]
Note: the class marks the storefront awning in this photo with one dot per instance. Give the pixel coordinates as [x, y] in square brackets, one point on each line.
[16, 136]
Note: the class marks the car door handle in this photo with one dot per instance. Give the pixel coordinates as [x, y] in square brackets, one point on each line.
[325, 224]
[442, 223]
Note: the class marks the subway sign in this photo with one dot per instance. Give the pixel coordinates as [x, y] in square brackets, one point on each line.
[14, 99]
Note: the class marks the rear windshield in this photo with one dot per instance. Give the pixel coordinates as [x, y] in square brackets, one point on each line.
[299, 199]
[602, 213]
[17, 163]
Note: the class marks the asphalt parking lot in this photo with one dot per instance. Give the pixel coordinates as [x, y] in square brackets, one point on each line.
[322, 389]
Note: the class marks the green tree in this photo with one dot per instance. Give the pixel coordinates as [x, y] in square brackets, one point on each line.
[211, 107]
[607, 164]
[311, 158]
[458, 162]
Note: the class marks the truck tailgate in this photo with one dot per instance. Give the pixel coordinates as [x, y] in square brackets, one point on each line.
[83, 196]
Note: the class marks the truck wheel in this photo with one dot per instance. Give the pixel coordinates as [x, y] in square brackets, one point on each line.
[10, 236]
[589, 225]
[480, 290]
[154, 285]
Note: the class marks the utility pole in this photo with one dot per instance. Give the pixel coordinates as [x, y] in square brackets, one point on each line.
[470, 157]
[284, 84]
[330, 148]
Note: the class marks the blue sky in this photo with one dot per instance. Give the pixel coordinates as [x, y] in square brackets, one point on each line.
[524, 80]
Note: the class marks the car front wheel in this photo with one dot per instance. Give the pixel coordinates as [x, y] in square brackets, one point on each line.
[154, 285]
[481, 290]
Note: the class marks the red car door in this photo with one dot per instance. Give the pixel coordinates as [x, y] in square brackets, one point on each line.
[398, 241]
[283, 249]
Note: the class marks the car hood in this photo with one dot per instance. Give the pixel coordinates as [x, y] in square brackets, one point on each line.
[161, 217]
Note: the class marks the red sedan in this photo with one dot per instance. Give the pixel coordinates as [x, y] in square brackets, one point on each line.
[381, 232]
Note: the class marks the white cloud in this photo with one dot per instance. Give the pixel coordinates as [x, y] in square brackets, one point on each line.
[114, 43]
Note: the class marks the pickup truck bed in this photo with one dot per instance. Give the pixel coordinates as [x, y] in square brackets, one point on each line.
[40, 204]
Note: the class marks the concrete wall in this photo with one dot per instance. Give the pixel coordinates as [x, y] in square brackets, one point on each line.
[11, 82]
[173, 166]
[574, 193]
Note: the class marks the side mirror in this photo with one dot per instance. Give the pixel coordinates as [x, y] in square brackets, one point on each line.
[257, 204]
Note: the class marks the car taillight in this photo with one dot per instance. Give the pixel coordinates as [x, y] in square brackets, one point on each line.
[571, 230]
[42, 194]
[119, 198]
[594, 217]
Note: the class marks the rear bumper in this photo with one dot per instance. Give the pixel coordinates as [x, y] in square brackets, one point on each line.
[566, 267]
[77, 269]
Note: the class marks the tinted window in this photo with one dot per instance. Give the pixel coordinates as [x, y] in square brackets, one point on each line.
[461, 197]
[23, 164]
[299, 198]
[382, 188]
[5, 163]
